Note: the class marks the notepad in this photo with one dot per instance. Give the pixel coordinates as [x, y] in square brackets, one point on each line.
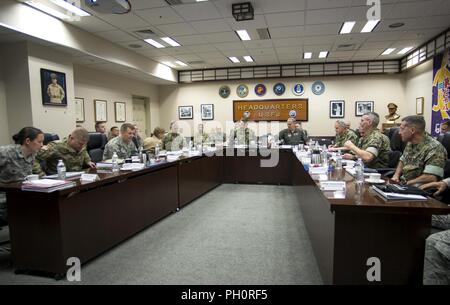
[68, 175]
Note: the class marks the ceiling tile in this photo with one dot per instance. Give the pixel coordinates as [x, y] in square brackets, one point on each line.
[287, 42]
[285, 19]
[116, 36]
[321, 4]
[258, 22]
[230, 46]
[177, 29]
[124, 21]
[198, 11]
[202, 48]
[271, 6]
[211, 26]
[190, 40]
[221, 37]
[322, 29]
[258, 44]
[157, 16]
[146, 4]
[286, 32]
[326, 16]
[92, 24]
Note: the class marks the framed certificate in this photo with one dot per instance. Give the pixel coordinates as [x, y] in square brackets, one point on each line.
[100, 107]
[419, 105]
[79, 109]
[120, 111]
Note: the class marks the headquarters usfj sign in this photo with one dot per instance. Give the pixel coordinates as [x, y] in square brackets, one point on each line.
[271, 110]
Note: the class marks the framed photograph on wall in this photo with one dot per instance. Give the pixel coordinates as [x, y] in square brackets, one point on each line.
[419, 105]
[185, 112]
[100, 107]
[120, 112]
[79, 109]
[53, 88]
[362, 107]
[207, 111]
[337, 109]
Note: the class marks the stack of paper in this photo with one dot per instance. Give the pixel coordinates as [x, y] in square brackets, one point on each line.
[46, 185]
[133, 166]
[397, 196]
[68, 175]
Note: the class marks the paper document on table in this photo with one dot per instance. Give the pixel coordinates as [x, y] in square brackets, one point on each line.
[68, 175]
[132, 166]
[397, 196]
[286, 146]
[332, 185]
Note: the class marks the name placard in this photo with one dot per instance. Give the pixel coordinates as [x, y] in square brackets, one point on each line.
[271, 110]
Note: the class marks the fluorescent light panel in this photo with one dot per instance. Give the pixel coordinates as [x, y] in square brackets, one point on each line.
[168, 63]
[248, 59]
[405, 50]
[171, 42]
[154, 43]
[347, 27]
[323, 54]
[72, 8]
[243, 35]
[370, 26]
[234, 59]
[47, 9]
[180, 63]
[307, 55]
[388, 51]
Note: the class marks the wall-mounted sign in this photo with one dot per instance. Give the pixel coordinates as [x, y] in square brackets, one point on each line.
[298, 89]
[271, 110]
[242, 91]
[260, 90]
[318, 87]
[279, 89]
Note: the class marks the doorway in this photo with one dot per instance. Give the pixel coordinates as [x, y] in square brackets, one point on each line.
[141, 115]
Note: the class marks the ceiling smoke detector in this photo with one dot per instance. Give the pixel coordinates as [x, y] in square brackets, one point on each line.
[243, 11]
[109, 6]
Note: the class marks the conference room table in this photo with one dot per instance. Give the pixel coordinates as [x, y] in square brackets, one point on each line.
[88, 219]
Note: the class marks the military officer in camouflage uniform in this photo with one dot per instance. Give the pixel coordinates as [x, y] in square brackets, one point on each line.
[201, 137]
[292, 135]
[72, 150]
[241, 135]
[373, 147]
[424, 158]
[437, 248]
[17, 160]
[122, 145]
[173, 141]
[343, 134]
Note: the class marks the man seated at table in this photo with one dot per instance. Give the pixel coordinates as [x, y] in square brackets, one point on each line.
[122, 145]
[72, 150]
[292, 135]
[373, 147]
[241, 134]
[217, 136]
[156, 139]
[343, 134]
[100, 127]
[424, 158]
[201, 137]
[113, 132]
[349, 128]
[173, 141]
[298, 125]
[437, 247]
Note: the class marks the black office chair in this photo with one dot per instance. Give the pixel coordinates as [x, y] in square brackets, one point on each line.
[396, 140]
[394, 158]
[3, 224]
[95, 146]
[445, 141]
[386, 132]
[50, 137]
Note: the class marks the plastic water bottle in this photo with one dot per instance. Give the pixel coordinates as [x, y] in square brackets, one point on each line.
[191, 145]
[157, 151]
[61, 168]
[324, 156]
[339, 160]
[115, 164]
[359, 177]
[140, 153]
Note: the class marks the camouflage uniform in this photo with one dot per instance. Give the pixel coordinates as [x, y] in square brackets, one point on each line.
[150, 143]
[243, 136]
[123, 150]
[378, 145]
[60, 150]
[295, 137]
[173, 142]
[14, 167]
[437, 259]
[201, 138]
[427, 157]
[348, 135]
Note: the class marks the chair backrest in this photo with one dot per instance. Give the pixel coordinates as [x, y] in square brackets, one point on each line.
[50, 137]
[396, 140]
[96, 154]
[96, 140]
[323, 140]
[445, 141]
[394, 158]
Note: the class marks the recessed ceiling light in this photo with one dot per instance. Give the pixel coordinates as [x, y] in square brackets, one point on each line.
[180, 63]
[388, 51]
[323, 54]
[405, 50]
[396, 25]
[243, 35]
[370, 26]
[46, 9]
[248, 59]
[201, 0]
[234, 59]
[307, 55]
[347, 27]
[170, 41]
[154, 43]
[71, 8]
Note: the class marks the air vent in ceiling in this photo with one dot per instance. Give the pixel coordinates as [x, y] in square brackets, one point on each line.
[174, 2]
[263, 34]
[146, 33]
[196, 62]
[346, 47]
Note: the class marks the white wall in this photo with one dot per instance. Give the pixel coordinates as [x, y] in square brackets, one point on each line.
[418, 83]
[382, 89]
[45, 117]
[4, 128]
[92, 84]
